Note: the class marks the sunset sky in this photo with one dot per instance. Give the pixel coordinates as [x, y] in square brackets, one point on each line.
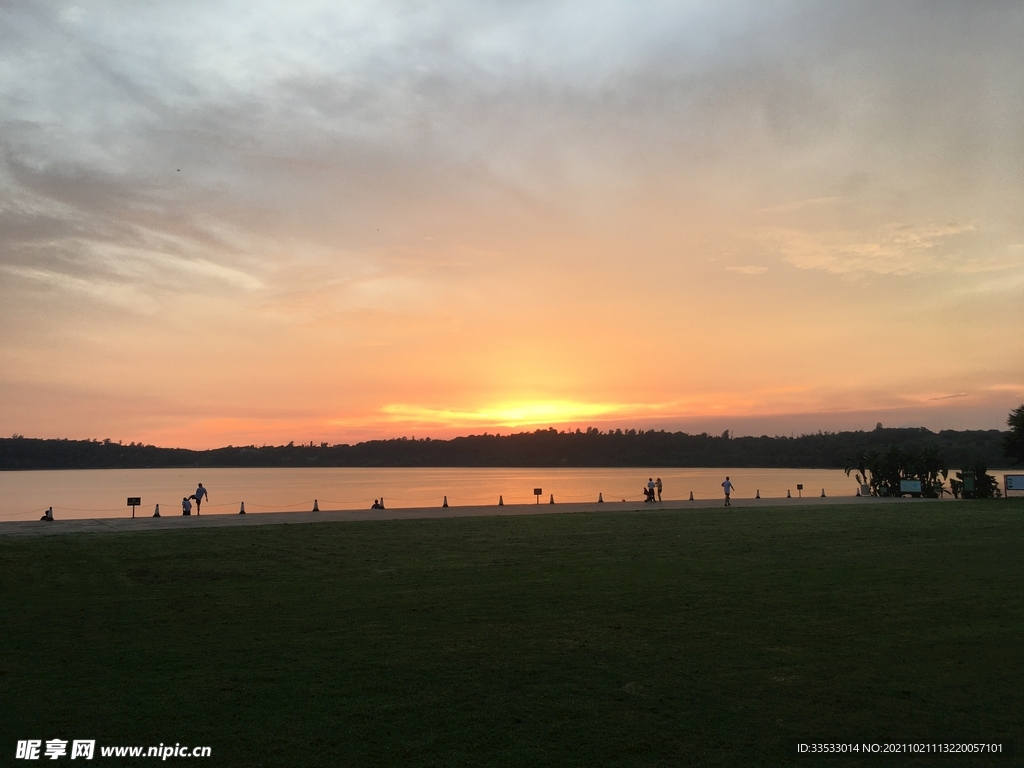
[233, 223]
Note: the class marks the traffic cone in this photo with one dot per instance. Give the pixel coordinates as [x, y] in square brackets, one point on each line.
[823, 493]
[600, 498]
[788, 494]
[552, 499]
[156, 512]
[758, 496]
[316, 506]
[445, 502]
[241, 509]
[691, 495]
[501, 501]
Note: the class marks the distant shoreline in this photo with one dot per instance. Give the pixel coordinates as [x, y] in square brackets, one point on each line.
[549, 448]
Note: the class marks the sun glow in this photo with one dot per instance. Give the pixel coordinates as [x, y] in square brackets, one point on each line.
[510, 414]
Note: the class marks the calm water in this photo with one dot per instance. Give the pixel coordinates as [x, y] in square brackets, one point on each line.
[102, 492]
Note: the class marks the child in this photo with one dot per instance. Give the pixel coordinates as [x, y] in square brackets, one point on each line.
[186, 506]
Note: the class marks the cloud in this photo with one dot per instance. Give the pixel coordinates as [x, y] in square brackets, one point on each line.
[448, 178]
[954, 396]
[893, 249]
[799, 205]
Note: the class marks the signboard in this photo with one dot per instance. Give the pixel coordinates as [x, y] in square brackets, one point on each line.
[134, 501]
[538, 491]
[910, 486]
[1013, 482]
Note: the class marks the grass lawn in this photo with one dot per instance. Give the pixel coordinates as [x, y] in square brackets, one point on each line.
[706, 637]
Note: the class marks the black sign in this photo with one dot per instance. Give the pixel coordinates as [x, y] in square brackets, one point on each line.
[799, 486]
[134, 501]
[537, 491]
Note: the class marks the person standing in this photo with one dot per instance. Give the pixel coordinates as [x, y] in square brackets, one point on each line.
[198, 496]
[657, 484]
[650, 489]
[727, 486]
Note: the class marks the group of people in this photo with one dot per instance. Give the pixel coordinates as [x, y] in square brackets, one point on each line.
[653, 489]
[652, 492]
[197, 497]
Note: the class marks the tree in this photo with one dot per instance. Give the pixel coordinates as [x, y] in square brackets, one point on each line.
[1013, 442]
[985, 485]
[882, 472]
[928, 468]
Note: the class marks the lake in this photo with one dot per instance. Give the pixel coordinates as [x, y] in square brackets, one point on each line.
[90, 493]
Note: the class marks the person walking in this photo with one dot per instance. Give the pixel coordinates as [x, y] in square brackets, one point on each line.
[198, 496]
[657, 484]
[727, 486]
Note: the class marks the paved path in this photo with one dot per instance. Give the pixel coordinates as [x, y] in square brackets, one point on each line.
[178, 522]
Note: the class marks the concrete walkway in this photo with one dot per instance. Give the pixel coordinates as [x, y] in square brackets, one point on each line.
[178, 522]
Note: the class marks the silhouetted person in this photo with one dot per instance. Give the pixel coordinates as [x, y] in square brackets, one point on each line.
[728, 488]
[198, 496]
[657, 484]
[186, 506]
[48, 515]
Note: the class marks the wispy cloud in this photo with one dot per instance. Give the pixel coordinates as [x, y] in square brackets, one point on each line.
[954, 396]
[893, 249]
[749, 269]
[799, 205]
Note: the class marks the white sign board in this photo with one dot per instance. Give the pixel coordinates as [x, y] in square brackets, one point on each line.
[1014, 482]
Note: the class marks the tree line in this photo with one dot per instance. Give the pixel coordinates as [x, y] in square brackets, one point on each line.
[540, 448]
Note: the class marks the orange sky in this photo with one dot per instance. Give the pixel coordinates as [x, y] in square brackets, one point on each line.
[318, 225]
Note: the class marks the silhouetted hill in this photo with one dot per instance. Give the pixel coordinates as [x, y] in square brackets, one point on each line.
[542, 448]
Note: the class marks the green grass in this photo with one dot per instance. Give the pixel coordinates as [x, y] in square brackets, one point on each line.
[704, 637]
